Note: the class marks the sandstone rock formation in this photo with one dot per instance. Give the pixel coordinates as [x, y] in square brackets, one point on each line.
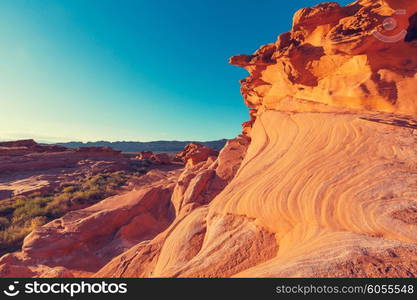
[357, 57]
[157, 158]
[114, 225]
[171, 253]
[161, 158]
[195, 153]
[82, 241]
[321, 183]
[145, 155]
[27, 167]
[22, 147]
[327, 185]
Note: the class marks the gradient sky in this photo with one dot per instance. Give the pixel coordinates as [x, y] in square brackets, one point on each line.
[137, 70]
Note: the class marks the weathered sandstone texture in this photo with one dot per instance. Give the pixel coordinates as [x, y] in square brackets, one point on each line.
[195, 153]
[327, 186]
[358, 57]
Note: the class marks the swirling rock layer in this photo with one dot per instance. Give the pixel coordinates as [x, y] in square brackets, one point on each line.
[331, 187]
[317, 195]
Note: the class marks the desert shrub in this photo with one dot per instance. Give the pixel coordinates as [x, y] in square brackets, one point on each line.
[29, 208]
[69, 189]
[24, 213]
[12, 237]
[37, 221]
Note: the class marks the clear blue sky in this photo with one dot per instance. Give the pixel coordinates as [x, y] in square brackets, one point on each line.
[130, 69]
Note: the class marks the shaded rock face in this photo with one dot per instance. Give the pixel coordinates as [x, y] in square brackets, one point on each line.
[412, 29]
[145, 155]
[357, 57]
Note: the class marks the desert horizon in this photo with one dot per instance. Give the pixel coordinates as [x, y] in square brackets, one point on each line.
[189, 159]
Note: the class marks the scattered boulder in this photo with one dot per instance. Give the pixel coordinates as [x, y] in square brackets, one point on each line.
[161, 159]
[145, 155]
[195, 153]
[156, 158]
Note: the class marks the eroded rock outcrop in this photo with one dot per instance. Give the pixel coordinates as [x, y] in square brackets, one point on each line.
[21, 147]
[171, 253]
[357, 57]
[326, 175]
[156, 158]
[27, 167]
[145, 155]
[195, 153]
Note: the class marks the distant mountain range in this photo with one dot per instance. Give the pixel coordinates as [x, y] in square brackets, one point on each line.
[157, 146]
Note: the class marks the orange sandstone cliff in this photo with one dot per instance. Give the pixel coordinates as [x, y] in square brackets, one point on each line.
[322, 182]
[358, 57]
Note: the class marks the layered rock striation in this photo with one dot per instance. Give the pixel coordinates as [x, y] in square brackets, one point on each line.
[327, 185]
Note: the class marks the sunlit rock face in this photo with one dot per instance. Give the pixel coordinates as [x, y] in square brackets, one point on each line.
[358, 57]
[333, 125]
[332, 187]
[326, 187]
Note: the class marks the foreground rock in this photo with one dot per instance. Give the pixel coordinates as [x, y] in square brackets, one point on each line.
[343, 197]
[83, 241]
[170, 251]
